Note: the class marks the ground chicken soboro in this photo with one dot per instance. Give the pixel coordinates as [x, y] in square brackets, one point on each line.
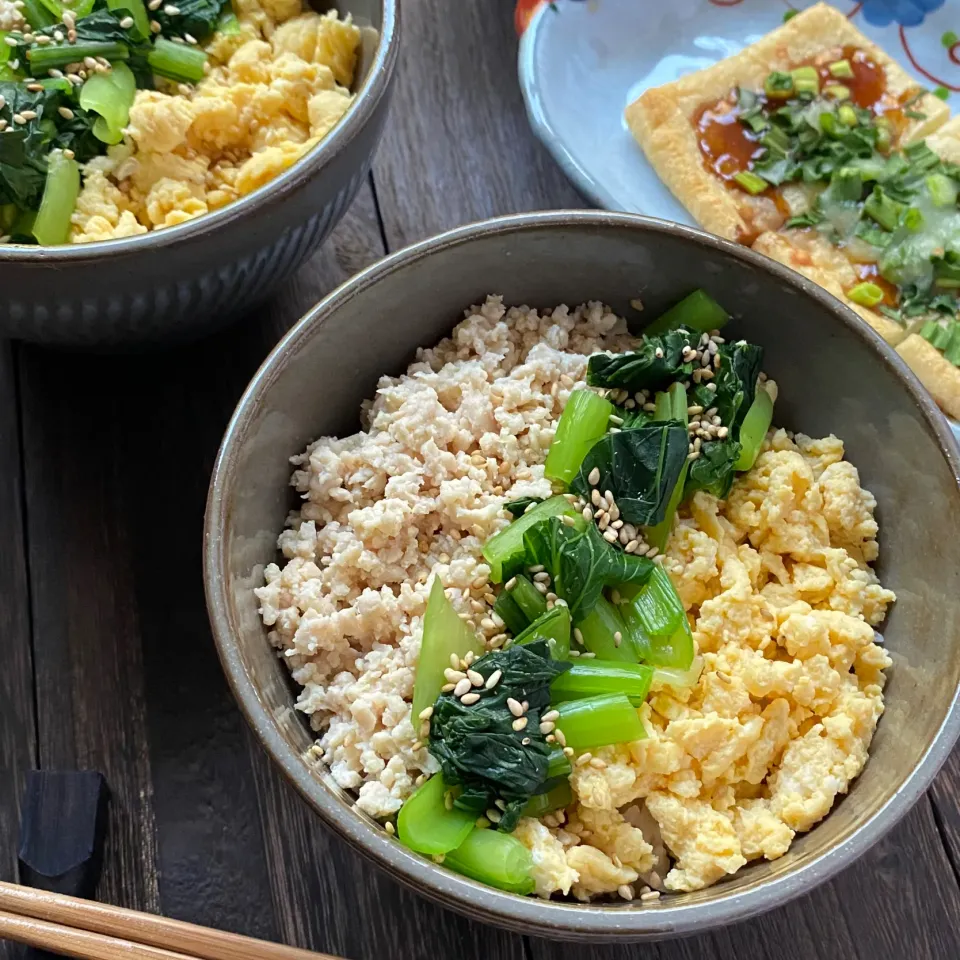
[775, 579]
[275, 90]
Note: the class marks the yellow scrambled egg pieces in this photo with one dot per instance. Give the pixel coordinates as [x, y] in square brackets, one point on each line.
[274, 90]
[777, 584]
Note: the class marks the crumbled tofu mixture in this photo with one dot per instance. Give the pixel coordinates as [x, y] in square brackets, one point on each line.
[775, 579]
[274, 91]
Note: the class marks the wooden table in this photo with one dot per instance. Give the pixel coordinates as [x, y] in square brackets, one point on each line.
[107, 660]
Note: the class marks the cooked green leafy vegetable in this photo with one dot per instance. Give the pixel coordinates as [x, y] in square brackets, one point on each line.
[198, 18]
[517, 508]
[640, 467]
[583, 422]
[698, 311]
[504, 551]
[494, 858]
[477, 745]
[581, 562]
[554, 627]
[654, 366]
[444, 633]
[426, 824]
[598, 721]
[589, 678]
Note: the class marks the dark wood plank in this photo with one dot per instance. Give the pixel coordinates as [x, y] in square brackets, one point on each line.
[458, 146]
[945, 796]
[89, 673]
[17, 727]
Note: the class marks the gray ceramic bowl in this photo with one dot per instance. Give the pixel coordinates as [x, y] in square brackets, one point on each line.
[183, 281]
[835, 375]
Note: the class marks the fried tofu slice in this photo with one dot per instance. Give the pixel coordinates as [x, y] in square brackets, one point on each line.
[663, 119]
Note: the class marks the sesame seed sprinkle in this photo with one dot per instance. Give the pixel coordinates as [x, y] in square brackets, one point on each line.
[520, 724]
[126, 23]
[462, 687]
[493, 679]
[468, 699]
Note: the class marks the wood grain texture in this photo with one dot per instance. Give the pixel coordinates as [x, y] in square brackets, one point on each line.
[89, 672]
[945, 797]
[458, 147]
[17, 727]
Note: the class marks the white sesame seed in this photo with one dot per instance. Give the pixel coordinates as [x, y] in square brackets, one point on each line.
[541, 577]
[547, 726]
[190, 38]
[493, 679]
[595, 498]
[658, 353]
[3, 101]
[510, 584]
[610, 536]
[519, 724]
[617, 638]
[389, 828]
[426, 713]
[58, 36]
[574, 653]
[561, 739]
[19, 118]
[447, 688]
[494, 815]
[417, 745]
[541, 587]
[126, 23]
[454, 661]
[625, 891]
[593, 478]
[155, 27]
[462, 687]
[578, 635]
[89, 62]
[476, 679]
[515, 707]
[171, 11]
[454, 676]
[652, 895]
[587, 655]
[10, 41]
[468, 699]
[568, 520]
[588, 514]
[551, 716]
[65, 112]
[568, 751]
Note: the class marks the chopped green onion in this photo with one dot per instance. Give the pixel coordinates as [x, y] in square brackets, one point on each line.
[425, 823]
[776, 141]
[839, 92]
[583, 422]
[532, 603]
[504, 551]
[554, 627]
[177, 61]
[847, 115]
[841, 69]
[52, 225]
[588, 678]
[697, 310]
[866, 294]
[43, 59]
[558, 798]
[943, 189]
[110, 96]
[913, 219]
[805, 80]
[946, 275]
[879, 207]
[884, 136]
[444, 633]
[778, 86]
[598, 721]
[558, 765]
[514, 619]
[937, 334]
[751, 182]
[137, 10]
[952, 351]
[495, 858]
[754, 428]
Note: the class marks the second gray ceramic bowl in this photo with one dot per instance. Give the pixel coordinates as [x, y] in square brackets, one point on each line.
[183, 281]
[835, 376]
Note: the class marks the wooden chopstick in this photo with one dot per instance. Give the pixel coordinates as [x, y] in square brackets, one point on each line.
[72, 942]
[99, 931]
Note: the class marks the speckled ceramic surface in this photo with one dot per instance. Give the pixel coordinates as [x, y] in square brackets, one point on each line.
[835, 375]
[582, 61]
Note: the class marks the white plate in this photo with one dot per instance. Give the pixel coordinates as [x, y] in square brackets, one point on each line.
[582, 62]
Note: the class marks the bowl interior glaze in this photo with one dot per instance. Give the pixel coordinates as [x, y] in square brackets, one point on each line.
[835, 375]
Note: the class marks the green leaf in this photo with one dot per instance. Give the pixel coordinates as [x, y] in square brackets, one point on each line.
[476, 745]
[643, 368]
[581, 563]
[713, 470]
[516, 508]
[196, 17]
[639, 467]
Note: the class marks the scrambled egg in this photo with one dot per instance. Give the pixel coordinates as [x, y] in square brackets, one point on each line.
[782, 600]
[274, 90]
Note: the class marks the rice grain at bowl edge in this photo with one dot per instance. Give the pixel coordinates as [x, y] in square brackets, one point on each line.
[780, 567]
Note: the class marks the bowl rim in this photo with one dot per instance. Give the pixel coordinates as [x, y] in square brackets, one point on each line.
[375, 85]
[594, 922]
